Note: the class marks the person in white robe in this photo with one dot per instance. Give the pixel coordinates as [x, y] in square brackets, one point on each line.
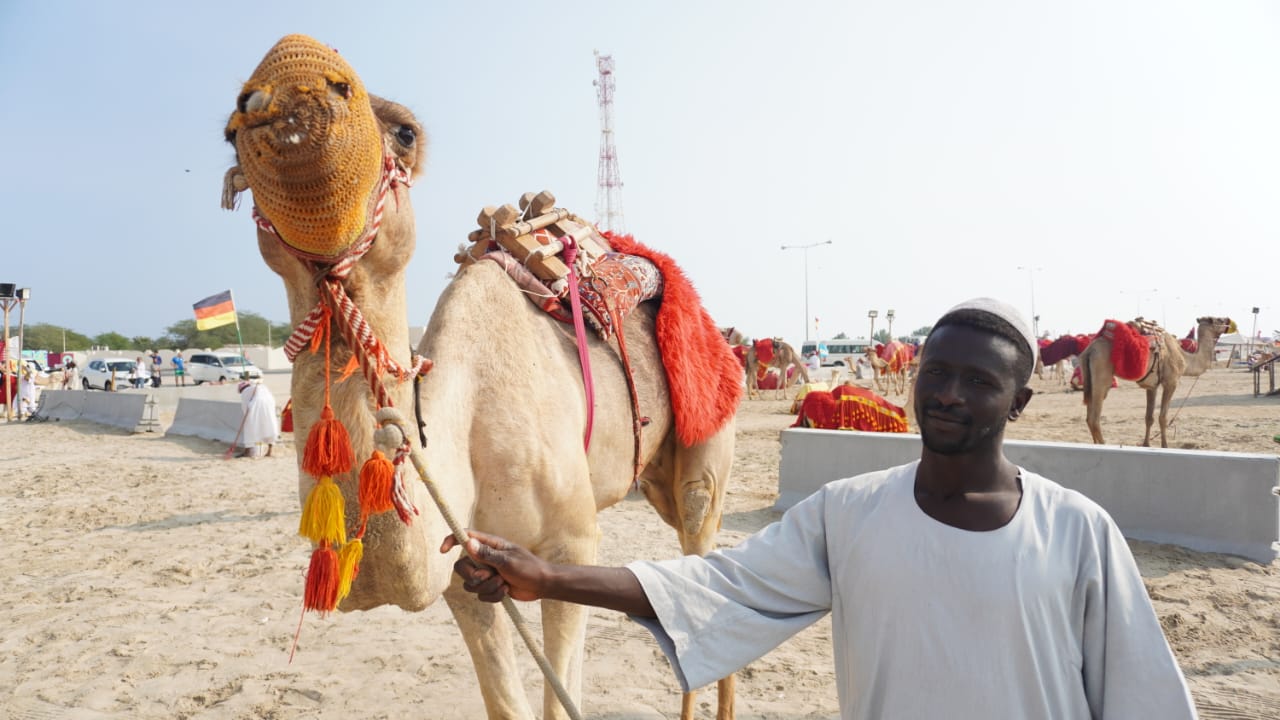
[960, 585]
[27, 392]
[259, 426]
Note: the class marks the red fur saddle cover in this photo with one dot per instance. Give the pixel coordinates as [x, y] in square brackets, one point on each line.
[703, 377]
[1130, 350]
[764, 350]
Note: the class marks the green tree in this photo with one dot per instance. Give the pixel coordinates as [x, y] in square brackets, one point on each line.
[113, 340]
[253, 329]
[881, 336]
[840, 336]
[922, 331]
[43, 336]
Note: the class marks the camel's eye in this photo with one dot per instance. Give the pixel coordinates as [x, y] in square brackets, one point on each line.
[242, 102]
[341, 88]
[406, 135]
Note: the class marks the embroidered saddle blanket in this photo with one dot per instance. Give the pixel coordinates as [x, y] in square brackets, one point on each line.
[703, 377]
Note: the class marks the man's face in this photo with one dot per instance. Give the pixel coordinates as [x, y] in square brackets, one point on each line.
[965, 389]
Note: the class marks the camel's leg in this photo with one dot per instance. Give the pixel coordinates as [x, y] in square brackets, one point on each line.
[489, 639]
[564, 628]
[1151, 411]
[701, 476]
[1166, 398]
[1096, 385]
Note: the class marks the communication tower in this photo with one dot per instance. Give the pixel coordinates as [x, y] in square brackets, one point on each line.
[609, 180]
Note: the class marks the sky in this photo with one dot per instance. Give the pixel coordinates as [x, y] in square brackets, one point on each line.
[1088, 160]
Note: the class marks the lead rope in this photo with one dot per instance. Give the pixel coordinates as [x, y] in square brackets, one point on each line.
[374, 362]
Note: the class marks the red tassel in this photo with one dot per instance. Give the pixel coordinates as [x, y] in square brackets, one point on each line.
[321, 592]
[376, 478]
[328, 450]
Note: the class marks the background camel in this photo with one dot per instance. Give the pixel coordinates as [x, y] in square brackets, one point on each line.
[505, 447]
[781, 356]
[1167, 362]
[890, 364]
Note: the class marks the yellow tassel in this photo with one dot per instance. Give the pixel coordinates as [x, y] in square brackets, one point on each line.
[349, 566]
[322, 514]
[328, 449]
[376, 478]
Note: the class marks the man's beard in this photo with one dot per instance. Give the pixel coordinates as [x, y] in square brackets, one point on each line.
[971, 439]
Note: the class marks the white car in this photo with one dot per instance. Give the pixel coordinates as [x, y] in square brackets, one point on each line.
[106, 374]
[220, 367]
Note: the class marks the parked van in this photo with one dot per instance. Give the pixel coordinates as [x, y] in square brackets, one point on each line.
[840, 353]
[219, 367]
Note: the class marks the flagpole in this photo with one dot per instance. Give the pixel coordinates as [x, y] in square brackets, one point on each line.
[239, 338]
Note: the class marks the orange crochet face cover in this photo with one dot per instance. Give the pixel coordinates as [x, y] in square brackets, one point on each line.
[309, 146]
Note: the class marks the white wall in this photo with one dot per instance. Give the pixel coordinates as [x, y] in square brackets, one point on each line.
[1208, 501]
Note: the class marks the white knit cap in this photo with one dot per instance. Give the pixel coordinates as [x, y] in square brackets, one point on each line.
[1009, 314]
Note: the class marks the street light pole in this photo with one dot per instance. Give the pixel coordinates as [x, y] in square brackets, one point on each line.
[871, 338]
[806, 248]
[889, 316]
[1035, 319]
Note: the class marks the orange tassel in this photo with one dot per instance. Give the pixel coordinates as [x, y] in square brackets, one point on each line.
[323, 519]
[349, 369]
[321, 592]
[349, 566]
[376, 477]
[328, 450]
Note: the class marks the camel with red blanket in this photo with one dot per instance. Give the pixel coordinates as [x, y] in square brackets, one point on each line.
[890, 363]
[1056, 355]
[769, 354]
[1149, 356]
[330, 167]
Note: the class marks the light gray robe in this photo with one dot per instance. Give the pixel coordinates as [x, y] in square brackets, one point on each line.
[1045, 617]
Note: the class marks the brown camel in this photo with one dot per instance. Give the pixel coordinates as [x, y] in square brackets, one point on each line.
[505, 447]
[784, 357]
[1167, 362]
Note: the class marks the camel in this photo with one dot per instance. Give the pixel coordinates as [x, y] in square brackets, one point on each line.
[1167, 362]
[890, 366]
[782, 357]
[504, 439]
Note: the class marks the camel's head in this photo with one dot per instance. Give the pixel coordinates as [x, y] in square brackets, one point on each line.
[1217, 326]
[312, 143]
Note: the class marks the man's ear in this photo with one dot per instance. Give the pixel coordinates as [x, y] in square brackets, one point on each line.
[1020, 400]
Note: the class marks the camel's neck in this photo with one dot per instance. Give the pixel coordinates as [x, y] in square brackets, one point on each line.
[1200, 360]
[383, 308]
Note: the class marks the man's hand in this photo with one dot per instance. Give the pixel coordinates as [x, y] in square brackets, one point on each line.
[492, 567]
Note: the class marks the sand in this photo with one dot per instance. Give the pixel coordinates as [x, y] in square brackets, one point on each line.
[147, 577]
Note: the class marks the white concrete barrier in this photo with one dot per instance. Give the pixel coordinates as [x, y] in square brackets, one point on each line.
[132, 411]
[1209, 501]
[209, 419]
[135, 412]
[61, 404]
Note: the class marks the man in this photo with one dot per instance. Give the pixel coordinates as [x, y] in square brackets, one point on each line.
[179, 369]
[141, 375]
[960, 585]
[156, 367]
[258, 427]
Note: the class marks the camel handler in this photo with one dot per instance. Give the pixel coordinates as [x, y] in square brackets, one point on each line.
[961, 585]
[258, 427]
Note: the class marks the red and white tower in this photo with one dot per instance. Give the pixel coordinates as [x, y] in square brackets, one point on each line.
[609, 180]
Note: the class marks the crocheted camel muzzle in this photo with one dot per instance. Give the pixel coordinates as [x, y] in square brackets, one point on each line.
[309, 146]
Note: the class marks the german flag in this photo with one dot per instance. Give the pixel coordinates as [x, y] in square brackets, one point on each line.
[215, 311]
